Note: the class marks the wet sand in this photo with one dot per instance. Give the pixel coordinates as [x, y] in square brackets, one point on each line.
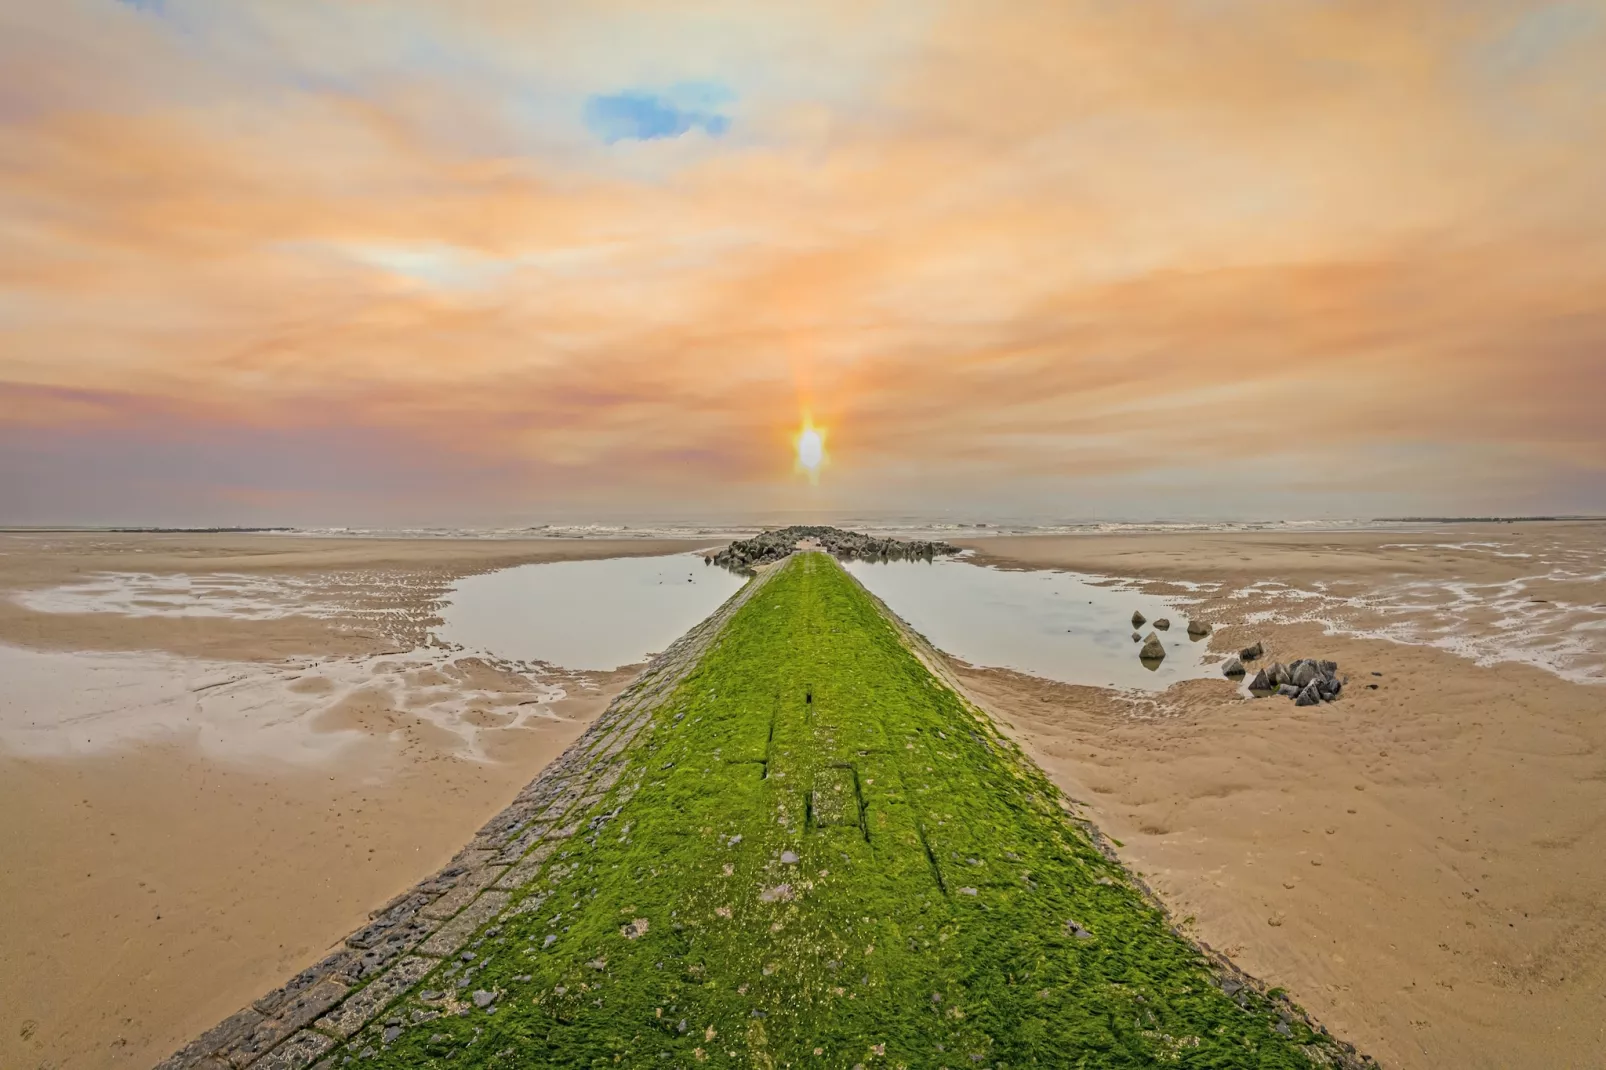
[368, 595]
[1422, 866]
[152, 887]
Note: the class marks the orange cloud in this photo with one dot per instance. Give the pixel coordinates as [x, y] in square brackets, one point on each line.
[1008, 255]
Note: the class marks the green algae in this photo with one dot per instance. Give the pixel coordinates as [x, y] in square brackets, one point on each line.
[819, 855]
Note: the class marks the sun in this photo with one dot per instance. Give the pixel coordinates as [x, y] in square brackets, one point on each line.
[810, 443]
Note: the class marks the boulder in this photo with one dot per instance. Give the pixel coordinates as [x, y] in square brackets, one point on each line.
[1198, 627]
[1260, 683]
[1328, 668]
[1152, 650]
[1308, 697]
[1163, 624]
[1138, 619]
[1330, 686]
[1250, 653]
[1287, 690]
[1137, 637]
[1278, 673]
[1234, 667]
[1303, 674]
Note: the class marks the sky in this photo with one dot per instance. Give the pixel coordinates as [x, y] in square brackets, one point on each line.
[516, 261]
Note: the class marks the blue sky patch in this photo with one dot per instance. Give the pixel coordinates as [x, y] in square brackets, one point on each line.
[641, 115]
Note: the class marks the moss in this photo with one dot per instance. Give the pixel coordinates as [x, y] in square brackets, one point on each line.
[942, 909]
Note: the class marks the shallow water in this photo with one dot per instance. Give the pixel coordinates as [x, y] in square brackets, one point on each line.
[1057, 625]
[584, 614]
[74, 703]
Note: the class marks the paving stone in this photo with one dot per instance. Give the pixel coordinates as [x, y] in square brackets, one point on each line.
[467, 888]
[473, 858]
[297, 1053]
[396, 941]
[455, 933]
[337, 965]
[199, 1053]
[296, 1013]
[360, 1009]
[525, 872]
[400, 912]
[530, 837]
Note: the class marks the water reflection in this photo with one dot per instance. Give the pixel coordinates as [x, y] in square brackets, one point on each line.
[1056, 625]
[584, 614]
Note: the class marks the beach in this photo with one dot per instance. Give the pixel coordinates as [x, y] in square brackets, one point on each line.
[273, 743]
[1422, 866]
[162, 872]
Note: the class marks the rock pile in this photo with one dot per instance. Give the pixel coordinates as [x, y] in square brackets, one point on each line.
[1306, 681]
[771, 546]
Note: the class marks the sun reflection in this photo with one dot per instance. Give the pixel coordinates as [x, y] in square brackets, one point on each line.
[810, 443]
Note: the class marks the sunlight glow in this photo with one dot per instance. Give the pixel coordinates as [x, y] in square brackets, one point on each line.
[810, 443]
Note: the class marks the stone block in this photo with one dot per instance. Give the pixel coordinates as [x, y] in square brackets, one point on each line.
[468, 886]
[359, 1009]
[455, 933]
[297, 1053]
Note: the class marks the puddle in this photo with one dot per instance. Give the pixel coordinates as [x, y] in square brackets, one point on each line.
[584, 614]
[66, 703]
[1057, 625]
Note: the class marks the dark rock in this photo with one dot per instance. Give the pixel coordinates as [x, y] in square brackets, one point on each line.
[482, 998]
[1163, 624]
[1287, 690]
[1138, 619]
[1198, 627]
[771, 546]
[1075, 929]
[1260, 682]
[1328, 667]
[1305, 673]
[1137, 637]
[1278, 674]
[1308, 697]
[1153, 649]
[1250, 653]
[1234, 667]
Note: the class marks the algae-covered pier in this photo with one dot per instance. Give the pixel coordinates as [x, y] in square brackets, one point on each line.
[790, 843]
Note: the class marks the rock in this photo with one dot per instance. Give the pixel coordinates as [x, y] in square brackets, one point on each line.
[1153, 649]
[789, 857]
[1163, 624]
[1260, 683]
[1309, 697]
[1075, 929]
[1287, 690]
[1277, 674]
[551, 938]
[1303, 676]
[1138, 619]
[1137, 637]
[1198, 627]
[1328, 667]
[483, 999]
[1250, 653]
[1330, 689]
[1234, 667]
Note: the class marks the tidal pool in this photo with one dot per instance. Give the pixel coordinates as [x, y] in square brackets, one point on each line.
[1057, 625]
[584, 614]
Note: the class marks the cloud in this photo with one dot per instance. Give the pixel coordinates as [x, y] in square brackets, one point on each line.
[1062, 258]
[637, 115]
